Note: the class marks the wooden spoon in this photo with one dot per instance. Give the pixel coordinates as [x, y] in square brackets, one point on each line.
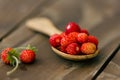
[45, 26]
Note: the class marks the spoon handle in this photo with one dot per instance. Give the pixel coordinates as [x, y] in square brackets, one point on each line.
[43, 25]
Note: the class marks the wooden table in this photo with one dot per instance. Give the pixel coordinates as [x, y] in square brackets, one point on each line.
[100, 17]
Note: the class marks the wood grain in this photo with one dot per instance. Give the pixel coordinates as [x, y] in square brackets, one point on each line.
[112, 71]
[48, 65]
[13, 12]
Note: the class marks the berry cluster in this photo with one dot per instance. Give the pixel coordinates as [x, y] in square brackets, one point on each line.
[74, 41]
[13, 56]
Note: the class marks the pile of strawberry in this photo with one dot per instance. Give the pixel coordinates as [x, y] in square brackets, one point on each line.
[74, 41]
[14, 56]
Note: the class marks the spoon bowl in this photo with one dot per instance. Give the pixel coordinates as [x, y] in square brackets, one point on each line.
[44, 25]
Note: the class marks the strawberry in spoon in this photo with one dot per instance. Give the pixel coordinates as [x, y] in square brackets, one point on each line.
[45, 26]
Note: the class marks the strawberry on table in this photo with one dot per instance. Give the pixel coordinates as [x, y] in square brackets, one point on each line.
[12, 56]
[4, 55]
[27, 56]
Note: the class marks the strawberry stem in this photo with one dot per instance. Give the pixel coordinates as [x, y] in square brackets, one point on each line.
[16, 66]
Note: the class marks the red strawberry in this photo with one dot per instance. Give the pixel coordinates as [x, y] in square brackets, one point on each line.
[73, 36]
[93, 39]
[55, 40]
[67, 40]
[82, 37]
[63, 34]
[72, 27]
[10, 56]
[70, 38]
[84, 31]
[73, 49]
[4, 55]
[27, 56]
[62, 48]
[88, 48]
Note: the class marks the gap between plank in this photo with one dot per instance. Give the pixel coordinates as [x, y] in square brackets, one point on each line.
[107, 62]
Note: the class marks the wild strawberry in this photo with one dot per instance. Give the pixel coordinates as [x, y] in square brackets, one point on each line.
[93, 39]
[10, 56]
[27, 56]
[67, 40]
[4, 55]
[55, 40]
[84, 31]
[88, 48]
[73, 49]
[63, 34]
[73, 36]
[62, 48]
[72, 27]
[82, 37]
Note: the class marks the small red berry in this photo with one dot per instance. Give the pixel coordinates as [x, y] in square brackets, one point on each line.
[73, 49]
[82, 37]
[93, 39]
[88, 48]
[4, 55]
[73, 36]
[84, 31]
[72, 27]
[62, 48]
[65, 41]
[27, 56]
[63, 34]
[55, 40]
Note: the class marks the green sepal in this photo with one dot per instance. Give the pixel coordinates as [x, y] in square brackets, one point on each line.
[32, 48]
[10, 58]
[19, 49]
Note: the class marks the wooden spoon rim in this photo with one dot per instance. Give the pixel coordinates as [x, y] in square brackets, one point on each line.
[75, 57]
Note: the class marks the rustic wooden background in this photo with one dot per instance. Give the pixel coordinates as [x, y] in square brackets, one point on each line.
[100, 17]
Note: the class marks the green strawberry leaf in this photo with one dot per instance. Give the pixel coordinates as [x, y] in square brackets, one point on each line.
[32, 48]
[12, 53]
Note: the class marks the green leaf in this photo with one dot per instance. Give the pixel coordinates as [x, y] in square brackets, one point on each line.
[32, 48]
[11, 53]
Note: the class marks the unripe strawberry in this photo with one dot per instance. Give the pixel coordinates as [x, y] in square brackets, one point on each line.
[88, 48]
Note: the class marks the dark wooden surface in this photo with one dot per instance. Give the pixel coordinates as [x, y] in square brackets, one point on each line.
[100, 17]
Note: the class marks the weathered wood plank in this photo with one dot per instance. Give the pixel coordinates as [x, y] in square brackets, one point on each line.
[112, 71]
[17, 37]
[90, 68]
[104, 30]
[49, 66]
[12, 12]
